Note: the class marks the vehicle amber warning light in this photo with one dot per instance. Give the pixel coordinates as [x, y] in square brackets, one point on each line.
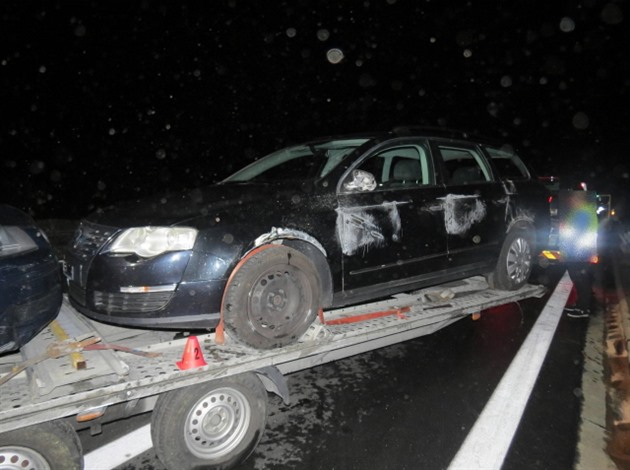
[552, 255]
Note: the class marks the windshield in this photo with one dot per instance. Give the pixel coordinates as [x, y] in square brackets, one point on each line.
[306, 161]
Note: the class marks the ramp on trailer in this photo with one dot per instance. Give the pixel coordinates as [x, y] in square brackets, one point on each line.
[119, 368]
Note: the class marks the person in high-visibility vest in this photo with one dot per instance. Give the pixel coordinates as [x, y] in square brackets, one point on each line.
[578, 245]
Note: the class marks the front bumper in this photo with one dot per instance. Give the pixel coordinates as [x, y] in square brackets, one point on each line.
[193, 305]
[175, 290]
[31, 296]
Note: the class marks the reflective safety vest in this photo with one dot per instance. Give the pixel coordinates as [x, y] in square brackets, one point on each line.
[577, 212]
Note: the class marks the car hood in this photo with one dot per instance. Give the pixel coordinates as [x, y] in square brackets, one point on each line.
[191, 206]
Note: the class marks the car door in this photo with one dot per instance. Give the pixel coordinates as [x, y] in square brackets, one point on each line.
[389, 219]
[474, 206]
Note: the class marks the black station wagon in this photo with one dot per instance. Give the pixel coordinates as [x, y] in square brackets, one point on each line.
[331, 222]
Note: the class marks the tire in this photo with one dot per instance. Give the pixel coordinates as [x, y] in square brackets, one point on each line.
[515, 261]
[272, 297]
[214, 425]
[45, 446]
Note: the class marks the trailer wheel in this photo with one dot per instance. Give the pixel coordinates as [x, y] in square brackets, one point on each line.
[44, 446]
[272, 297]
[515, 261]
[214, 425]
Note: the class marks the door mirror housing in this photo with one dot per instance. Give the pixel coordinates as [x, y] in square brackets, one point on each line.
[360, 180]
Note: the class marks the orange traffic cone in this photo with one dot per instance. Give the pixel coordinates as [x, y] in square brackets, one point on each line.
[193, 356]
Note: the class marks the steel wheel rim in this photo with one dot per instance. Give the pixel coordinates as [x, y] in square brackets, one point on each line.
[217, 423]
[277, 301]
[20, 458]
[519, 260]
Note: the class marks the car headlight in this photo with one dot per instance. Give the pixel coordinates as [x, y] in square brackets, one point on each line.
[152, 241]
[14, 240]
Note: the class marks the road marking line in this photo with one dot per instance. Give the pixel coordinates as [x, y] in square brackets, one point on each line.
[119, 451]
[488, 442]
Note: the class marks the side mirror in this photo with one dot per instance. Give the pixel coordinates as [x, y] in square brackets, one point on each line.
[361, 180]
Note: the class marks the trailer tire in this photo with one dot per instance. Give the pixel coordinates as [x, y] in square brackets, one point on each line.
[44, 446]
[214, 425]
[272, 297]
[515, 261]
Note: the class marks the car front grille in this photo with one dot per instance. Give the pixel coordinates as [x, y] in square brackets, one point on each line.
[132, 303]
[89, 238]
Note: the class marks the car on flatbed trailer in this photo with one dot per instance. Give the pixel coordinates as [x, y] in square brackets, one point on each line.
[327, 223]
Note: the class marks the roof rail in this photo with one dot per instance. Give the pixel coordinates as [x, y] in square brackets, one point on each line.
[439, 131]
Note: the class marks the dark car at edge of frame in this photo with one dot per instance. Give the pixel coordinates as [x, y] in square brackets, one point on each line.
[30, 281]
[327, 223]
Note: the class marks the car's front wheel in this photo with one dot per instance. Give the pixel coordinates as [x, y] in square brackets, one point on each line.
[515, 261]
[272, 297]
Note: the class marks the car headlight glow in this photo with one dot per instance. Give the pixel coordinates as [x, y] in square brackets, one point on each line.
[14, 240]
[152, 241]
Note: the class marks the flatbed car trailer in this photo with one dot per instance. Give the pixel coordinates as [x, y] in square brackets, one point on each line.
[78, 374]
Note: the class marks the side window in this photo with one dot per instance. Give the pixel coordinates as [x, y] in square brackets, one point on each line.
[464, 166]
[508, 164]
[400, 167]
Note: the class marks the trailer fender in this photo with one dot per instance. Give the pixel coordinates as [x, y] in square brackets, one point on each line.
[274, 382]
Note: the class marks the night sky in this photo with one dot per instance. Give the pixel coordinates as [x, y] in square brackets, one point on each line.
[103, 101]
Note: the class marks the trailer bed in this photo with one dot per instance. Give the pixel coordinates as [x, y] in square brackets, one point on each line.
[78, 383]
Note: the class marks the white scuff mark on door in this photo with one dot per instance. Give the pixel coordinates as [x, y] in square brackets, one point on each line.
[358, 229]
[509, 187]
[362, 228]
[461, 212]
[509, 208]
[394, 219]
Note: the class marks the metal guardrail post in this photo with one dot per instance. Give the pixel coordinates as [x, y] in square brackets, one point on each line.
[617, 335]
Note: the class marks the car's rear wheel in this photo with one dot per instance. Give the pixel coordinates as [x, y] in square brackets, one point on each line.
[515, 261]
[272, 297]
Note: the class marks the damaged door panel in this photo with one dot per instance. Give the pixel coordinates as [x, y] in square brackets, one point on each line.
[392, 233]
[474, 206]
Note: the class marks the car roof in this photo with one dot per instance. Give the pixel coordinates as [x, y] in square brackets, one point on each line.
[444, 132]
[419, 131]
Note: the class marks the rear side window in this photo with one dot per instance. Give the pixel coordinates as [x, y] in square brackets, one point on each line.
[508, 164]
[463, 166]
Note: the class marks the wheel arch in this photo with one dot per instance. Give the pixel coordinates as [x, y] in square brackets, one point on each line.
[523, 223]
